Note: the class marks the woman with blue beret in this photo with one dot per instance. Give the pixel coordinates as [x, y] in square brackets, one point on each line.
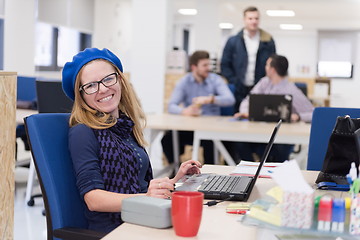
[106, 139]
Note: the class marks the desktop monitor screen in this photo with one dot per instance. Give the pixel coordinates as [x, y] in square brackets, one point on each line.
[334, 69]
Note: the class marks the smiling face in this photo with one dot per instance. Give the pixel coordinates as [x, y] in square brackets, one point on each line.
[106, 99]
[201, 70]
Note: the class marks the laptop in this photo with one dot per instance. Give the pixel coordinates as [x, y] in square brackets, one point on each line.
[270, 107]
[227, 187]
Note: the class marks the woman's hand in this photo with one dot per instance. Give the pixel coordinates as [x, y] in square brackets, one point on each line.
[188, 167]
[160, 188]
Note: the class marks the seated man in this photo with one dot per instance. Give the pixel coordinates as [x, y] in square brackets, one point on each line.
[197, 93]
[276, 82]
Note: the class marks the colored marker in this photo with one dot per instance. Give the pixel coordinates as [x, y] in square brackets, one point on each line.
[338, 215]
[242, 212]
[324, 214]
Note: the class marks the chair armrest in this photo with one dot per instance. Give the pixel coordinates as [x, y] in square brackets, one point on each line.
[69, 233]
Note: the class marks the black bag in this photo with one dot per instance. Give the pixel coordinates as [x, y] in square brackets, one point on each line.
[343, 149]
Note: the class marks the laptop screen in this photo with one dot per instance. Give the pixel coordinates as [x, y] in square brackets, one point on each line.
[270, 107]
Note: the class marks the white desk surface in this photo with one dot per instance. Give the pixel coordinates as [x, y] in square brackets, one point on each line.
[224, 125]
[221, 128]
[22, 113]
[215, 223]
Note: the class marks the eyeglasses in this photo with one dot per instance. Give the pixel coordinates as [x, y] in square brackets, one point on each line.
[93, 87]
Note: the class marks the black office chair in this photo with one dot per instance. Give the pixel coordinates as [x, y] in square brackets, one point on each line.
[51, 97]
[65, 216]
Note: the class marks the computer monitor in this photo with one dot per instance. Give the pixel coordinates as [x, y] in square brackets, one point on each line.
[51, 98]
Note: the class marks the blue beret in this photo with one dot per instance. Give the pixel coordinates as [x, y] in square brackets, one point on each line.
[71, 69]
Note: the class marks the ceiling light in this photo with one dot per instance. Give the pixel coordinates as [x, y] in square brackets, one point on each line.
[280, 13]
[226, 25]
[291, 26]
[187, 11]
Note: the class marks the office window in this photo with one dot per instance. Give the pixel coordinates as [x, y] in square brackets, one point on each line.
[56, 45]
[68, 45]
[43, 44]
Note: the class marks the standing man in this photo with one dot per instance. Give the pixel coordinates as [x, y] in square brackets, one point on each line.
[197, 93]
[245, 54]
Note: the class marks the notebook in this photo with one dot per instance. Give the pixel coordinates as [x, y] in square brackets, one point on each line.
[270, 107]
[227, 187]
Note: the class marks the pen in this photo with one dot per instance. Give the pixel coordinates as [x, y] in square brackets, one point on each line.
[237, 211]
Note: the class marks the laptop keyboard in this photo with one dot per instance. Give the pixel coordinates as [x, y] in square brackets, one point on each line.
[225, 184]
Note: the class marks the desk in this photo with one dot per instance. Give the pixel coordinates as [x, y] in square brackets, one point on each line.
[222, 129]
[215, 223]
[22, 113]
[217, 128]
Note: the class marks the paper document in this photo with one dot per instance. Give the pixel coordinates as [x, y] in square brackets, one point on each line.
[248, 168]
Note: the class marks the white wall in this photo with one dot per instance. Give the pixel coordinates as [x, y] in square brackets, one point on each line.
[19, 40]
[300, 48]
[345, 92]
[150, 46]
[141, 39]
[113, 28]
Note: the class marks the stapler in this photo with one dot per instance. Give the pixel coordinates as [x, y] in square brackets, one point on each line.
[333, 186]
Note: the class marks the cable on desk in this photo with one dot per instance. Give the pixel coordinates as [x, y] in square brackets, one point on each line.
[214, 202]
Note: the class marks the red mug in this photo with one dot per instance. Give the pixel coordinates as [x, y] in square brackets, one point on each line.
[186, 212]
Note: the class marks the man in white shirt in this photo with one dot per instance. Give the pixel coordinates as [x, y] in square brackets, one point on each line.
[245, 54]
[276, 82]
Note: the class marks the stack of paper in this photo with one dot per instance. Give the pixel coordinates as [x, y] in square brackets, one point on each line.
[247, 168]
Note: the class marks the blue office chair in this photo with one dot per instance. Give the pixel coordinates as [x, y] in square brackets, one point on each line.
[228, 111]
[25, 98]
[302, 87]
[323, 122]
[48, 137]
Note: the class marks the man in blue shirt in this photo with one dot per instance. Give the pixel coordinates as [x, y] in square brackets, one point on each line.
[197, 93]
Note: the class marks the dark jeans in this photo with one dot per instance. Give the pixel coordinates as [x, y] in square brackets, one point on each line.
[187, 138]
[278, 153]
[21, 133]
[240, 94]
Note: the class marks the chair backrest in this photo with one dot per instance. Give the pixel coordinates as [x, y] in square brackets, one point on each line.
[51, 97]
[323, 122]
[48, 135]
[302, 86]
[228, 111]
[26, 88]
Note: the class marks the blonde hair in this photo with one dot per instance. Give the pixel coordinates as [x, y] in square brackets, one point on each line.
[129, 104]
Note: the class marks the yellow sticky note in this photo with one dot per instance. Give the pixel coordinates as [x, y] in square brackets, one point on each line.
[239, 205]
[272, 217]
[276, 193]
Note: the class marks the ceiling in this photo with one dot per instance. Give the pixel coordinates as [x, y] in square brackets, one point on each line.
[312, 14]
